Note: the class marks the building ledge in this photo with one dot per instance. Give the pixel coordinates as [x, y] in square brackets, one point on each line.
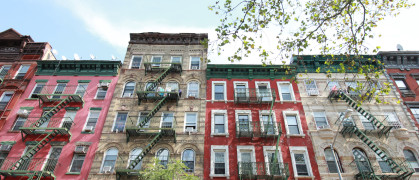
[72, 173]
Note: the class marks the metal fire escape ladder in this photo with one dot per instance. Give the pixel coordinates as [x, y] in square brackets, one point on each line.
[147, 149]
[349, 127]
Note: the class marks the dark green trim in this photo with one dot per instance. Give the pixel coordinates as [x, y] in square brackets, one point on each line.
[78, 68]
[63, 81]
[88, 132]
[250, 71]
[27, 108]
[47, 108]
[31, 99]
[41, 80]
[27, 143]
[72, 108]
[83, 81]
[96, 108]
[105, 81]
[72, 173]
[8, 142]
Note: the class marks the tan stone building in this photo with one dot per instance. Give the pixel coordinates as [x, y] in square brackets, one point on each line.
[158, 107]
[374, 141]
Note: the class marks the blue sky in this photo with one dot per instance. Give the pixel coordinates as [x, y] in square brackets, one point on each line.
[102, 27]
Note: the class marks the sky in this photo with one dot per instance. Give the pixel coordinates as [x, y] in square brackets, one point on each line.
[102, 27]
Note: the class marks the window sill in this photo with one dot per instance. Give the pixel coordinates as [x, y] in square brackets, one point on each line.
[72, 173]
[11, 131]
[219, 134]
[304, 177]
[220, 175]
[288, 101]
[98, 99]
[83, 132]
[31, 99]
[296, 135]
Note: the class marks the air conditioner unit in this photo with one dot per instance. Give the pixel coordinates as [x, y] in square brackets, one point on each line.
[5, 147]
[81, 149]
[323, 127]
[107, 169]
[103, 85]
[127, 94]
[88, 129]
[23, 113]
[313, 92]
[189, 130]
[194, 67]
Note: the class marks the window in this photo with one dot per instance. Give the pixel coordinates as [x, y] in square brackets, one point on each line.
[300, 161]
[109, 160]
[4, 70]
[167, 120]
[246, 159]
[81, 89]
[191, 122]
[68, 119]
[20, 121]
[219, 89]
[91, 121]
[193, 89]
[22, 71]
[411, 159]
[219, 122]
[244, 121]
[101, 93]
[330, 160]
[385, 167]
[241, 91]
[133, 155]
[311, 87]
[361, 160]
[77, 162]
[393, 120]
[352, 88]
[368, 125]
[320, 119]
[415, 112]
[333, 84]
[59, 89]
[273, 164]
[188, 158]
[52, 160]
[157, 60]
[195, 62]
[120, 120]
[4, 99]
[292, 122]
[36, 90]
[285, 91]
[268, 125]
[136, 62]
[172, 86]
[128, 89]
[263, 91]
[142, 116]
[219, 161]
[163, 156]
[176, 59]
[3, 156]
[401, 84]
[149, 87]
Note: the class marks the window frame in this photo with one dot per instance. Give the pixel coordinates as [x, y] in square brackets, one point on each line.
[156, 65]
[173, 119]
[194, 159]
[3, 95]
[190, 62]
[213, 113]
[34, 87]
[97, 92]
[291, 88]
[252, 155]
[311, 87]
[266, 160]
[72, 162]
[415, 156]
[131, 154]
[300, 150]
[245, 83]
[17, 118]
[297, 115]
[104, 157]
[275, 121]
[188, 89]
[196, 121]
[171, 58]
[132, 61]
[333, 81]
[336, 157]
[20, 68]
[325, 118]
[415, 113]
[2, 68]
[168, 156]
[80, 85]
[214, 83]
[114, 122]
[125, 86]
[249, 116]
[226, 161]
[87, 120]
[402, 81]
[258, 83]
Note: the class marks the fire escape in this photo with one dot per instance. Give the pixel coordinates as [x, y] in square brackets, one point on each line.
[47, 127]
[149, 125]
[266, 128]
[400, 169]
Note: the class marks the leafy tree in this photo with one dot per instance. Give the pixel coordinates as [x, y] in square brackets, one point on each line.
[174, 171]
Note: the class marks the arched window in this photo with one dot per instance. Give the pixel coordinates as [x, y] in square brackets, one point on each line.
[163, 156]
[128, 89]
[172, 86]
[149, 87]
[133, 155]
[361, 160]
[188, 158]
[385, 167]
[193, 89]
[331, 161]
[109, 161]
[411, 159]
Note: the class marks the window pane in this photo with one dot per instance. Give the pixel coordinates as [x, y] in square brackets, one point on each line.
[193, 89]
[400, 84]
[189, 160]
[176, 59]
[120, 122]
[129, 89]
[195, 62]
[136, 62]
[77, 163]
[101, 93]
[219, 92]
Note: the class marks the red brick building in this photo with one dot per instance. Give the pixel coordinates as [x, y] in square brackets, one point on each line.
[18, 56]
[255, 125]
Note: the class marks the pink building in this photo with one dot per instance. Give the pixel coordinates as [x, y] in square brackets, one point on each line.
[54, 130]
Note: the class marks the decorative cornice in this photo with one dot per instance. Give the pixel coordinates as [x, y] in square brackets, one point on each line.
[78, 68]
[167, 38]
[228, 71]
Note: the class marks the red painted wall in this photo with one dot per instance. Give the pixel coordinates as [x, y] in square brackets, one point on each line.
[258, 143]
[80, 120]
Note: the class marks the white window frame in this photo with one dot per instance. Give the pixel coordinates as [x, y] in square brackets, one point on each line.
[173, 120]
[226, 159]
[72, 161]
[187, 91]
[130, 154]
[66, 115]
[87, 119]
[265, 155]
[299, 150]
[399, 82]
[213, 112]
[79, 85]
[279, 83]
[20, 68]
[4, 94]
[171, 59]
[97, 92]
[249, 115]
[114, 122]
[190, 63]
[103, 160]
[393, 119]
[194, 158]
[266, 112]
[325, 117]
[49, 155]
[132, 60]
[123, 90]
[268, 87]
[311, 91]
[161, 60]
[252, 155]
[196, 121]
[34, 87]
[246, 86]
[2, 68]
[213, 89]
[297, 114]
